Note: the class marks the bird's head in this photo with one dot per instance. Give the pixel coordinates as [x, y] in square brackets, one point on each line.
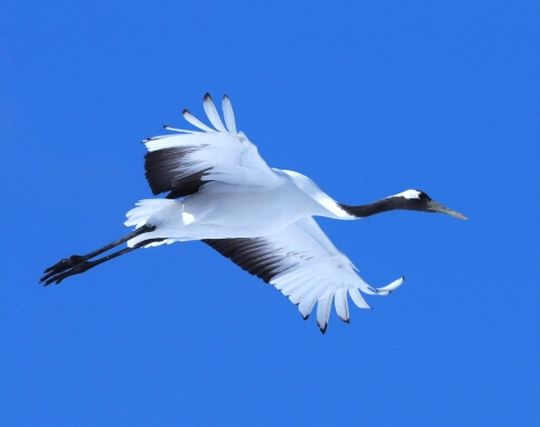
[416, 200]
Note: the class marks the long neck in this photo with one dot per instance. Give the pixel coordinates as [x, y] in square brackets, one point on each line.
[389, 204]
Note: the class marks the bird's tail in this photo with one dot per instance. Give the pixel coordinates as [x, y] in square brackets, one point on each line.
[148, 212]
[145, 210]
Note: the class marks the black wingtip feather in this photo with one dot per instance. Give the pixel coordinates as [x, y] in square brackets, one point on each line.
[162, 172]
[249, 254]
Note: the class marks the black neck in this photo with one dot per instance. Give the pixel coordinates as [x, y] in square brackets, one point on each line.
[389, 204]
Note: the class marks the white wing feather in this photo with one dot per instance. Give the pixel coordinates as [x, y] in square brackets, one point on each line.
[305, 266]
[228, 114]
[212, 113]
[322, 275]
[215, 154]
[191, 119]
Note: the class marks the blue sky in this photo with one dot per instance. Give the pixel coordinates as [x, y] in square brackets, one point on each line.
[368, 100]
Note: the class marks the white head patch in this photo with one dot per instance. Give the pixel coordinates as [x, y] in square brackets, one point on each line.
[408, 194]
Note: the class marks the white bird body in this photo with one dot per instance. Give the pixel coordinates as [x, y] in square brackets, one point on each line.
[219, 211]
[220, 191]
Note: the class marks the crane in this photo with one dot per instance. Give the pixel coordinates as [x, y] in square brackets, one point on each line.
[219, 190]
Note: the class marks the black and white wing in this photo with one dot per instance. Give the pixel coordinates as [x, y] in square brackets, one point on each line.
[180, 163]
[305, 266]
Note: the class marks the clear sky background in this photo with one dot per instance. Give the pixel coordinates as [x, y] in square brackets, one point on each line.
[368, 100]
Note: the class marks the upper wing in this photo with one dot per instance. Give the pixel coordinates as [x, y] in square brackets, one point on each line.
[305, 266]
[182, 162]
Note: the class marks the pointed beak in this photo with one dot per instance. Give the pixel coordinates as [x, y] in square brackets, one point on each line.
[437, 207]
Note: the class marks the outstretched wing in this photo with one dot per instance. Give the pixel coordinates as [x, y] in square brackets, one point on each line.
[305, 266]
[180, 163]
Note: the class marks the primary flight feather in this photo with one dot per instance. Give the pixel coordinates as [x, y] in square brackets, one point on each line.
[219, 190]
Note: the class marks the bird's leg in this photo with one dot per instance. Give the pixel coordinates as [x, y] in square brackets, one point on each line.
[85, 265]
[81, 267]
[73, 260]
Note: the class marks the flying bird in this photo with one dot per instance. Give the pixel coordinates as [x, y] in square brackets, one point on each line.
[219, 190]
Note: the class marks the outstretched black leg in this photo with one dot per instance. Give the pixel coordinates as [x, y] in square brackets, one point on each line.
[73, 260]
[82, 267]
[87, 265]
[76, 260]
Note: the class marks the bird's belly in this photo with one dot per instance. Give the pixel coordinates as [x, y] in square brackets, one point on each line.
[244, 214]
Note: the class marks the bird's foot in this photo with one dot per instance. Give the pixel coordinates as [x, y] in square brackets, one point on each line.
[61, 266]
[66, 263]
[56, 276]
